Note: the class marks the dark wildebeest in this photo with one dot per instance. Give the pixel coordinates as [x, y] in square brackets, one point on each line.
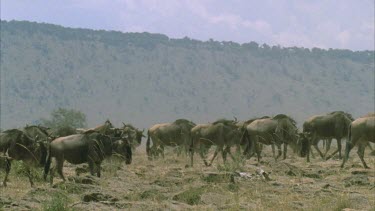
[135, 135]
[90, 147]
[38, 133]
[17, 145]
[361, 132]
[63, 131]
[168, 134]
[332, 125]
[222, 133]
[121, 145]
[120, 138]
[277, 130]
[106, 129]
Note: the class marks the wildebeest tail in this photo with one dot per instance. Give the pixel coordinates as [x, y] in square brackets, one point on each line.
[246, 142]
[348, 142]
[43, 156]
[47, 164]
[148, 144]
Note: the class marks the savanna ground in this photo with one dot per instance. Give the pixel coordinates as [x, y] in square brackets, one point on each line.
[166, 184]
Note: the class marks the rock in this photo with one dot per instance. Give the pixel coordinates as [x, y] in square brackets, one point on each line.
[191, 196]
[358, 200]
[87, 180]
[81, 170]
[357, 179]
[98, 197]
[153, 194]
[363, 172]
[5, 201]
[213, 198]
[312, 175]
[216, 177]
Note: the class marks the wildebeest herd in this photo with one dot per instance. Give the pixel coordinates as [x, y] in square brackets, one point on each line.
[38, 146]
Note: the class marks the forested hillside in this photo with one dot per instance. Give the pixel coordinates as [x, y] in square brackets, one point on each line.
[146, 78]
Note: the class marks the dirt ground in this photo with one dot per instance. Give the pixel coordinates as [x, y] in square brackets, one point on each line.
[169, 184]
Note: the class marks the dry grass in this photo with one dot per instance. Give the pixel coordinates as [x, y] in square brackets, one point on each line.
[168, 184]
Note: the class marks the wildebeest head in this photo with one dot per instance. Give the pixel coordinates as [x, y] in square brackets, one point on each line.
[302, 144]
[123, 148]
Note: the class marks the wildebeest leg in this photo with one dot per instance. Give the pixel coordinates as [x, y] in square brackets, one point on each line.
[339, 147]
[8, 165]
[230, 153]
[29, 175]
[278, 151]
[224, 154]
[91, 167]
[98, 169]
[273, 151]
[361, 153]
[285, 150]
[327, 145]
[318, 150]
[349, 146]
[59, 166]
[162, 150]
[308, 151]
[202, 154]
[218, 148]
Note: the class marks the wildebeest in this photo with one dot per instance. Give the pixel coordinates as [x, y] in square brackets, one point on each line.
[17, 145]
[135, 135]
[168, 134]
[121, 144]
[38, 133]
[361, 132]
[90, 147]
[106, 128]
[332, 125]
[222, 133]
[278, 130]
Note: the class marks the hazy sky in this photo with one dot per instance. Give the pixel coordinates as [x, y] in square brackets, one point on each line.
[309, 23]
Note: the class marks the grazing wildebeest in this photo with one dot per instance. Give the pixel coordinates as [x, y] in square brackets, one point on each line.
[361, 132]
[63, 131]
[168, 134]
[121, 145]
[222, 133]
[17, 145]
[277, 130]
[106, 128]
[135, 135]
[90, 147]
[38, 133]
[332, 125]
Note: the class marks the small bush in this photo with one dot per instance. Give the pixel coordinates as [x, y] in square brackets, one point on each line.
[59, 202]
[342, 203]
[191, 196]
[231, 166]
[19, 168]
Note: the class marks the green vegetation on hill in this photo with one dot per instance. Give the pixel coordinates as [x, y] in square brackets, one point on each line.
[146, 78]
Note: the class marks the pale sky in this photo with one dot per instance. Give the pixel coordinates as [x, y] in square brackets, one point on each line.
[344, 24]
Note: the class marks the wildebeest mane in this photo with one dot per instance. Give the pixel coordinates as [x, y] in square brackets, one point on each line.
[183, 121]
[42, 129]
[223, 121]
[284, 116]
[344, 113]
[256, 118]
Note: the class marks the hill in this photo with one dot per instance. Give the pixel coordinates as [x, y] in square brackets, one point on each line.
[146, 78]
